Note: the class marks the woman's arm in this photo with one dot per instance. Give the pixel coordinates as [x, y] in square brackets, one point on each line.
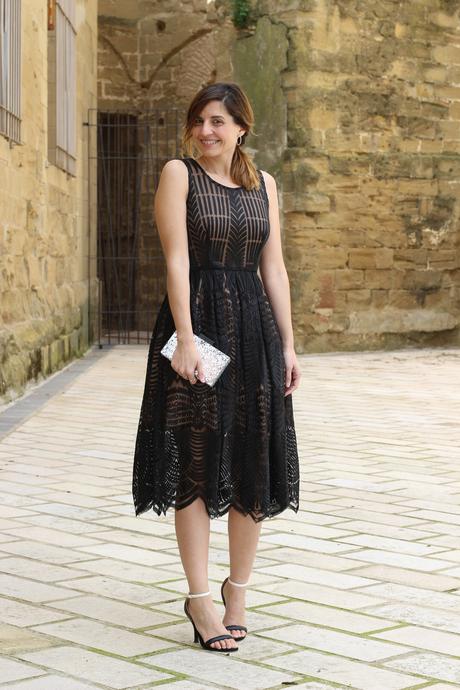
[276, 284]
[170, 216]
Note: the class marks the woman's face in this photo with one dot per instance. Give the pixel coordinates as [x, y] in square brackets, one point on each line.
[215, 131]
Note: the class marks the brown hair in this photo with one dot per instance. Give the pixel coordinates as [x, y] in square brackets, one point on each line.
[243, 170]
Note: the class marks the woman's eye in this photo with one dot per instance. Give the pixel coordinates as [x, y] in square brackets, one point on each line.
[215, 122]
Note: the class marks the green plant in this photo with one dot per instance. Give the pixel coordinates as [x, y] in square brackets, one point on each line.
[241, 12]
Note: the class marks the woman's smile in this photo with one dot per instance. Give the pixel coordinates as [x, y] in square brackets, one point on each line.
[210, 142]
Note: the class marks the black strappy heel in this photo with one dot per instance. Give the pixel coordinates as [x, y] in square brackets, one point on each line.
[234, 627]
[197, 635]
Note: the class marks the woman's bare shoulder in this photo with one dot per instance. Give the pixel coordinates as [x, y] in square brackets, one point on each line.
[270, 182]
[267, 176]
[175, 167]
[175, 174]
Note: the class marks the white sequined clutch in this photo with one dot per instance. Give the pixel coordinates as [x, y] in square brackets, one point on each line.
[214, 361]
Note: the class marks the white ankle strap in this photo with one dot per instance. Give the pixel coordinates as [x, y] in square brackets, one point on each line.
[195, 596]
[238, 584]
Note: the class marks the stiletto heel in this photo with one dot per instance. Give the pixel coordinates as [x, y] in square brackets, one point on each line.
[197, 636]
[234, 627]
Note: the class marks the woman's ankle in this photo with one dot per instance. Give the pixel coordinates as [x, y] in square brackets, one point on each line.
[238, 582]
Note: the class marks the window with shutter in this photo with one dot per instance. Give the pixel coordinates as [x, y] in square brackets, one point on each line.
[62, 100]
[10, 69]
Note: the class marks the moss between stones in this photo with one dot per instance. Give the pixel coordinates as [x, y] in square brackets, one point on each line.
[241, 13]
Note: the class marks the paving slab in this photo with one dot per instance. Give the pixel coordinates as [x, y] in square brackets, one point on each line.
[231, 672]
[11, 670]
[339, 670]
[51, 682]
[98, 668]
[429, 664]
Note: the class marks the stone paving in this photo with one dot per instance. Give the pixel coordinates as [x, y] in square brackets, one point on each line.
[360, 589]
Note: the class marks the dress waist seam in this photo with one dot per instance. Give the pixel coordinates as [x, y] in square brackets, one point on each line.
[195, 269]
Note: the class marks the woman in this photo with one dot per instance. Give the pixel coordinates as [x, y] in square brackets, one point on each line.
[231, 447]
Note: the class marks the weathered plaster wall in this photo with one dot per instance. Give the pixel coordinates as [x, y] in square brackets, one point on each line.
[259, 61]
[159, 52]
[370, 174]
[44, 219]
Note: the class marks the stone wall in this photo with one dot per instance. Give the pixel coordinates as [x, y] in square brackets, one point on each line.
[370, 175]
[357, 116]
[44, 222]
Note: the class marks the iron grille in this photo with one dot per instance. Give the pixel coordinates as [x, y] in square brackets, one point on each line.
[131, 151]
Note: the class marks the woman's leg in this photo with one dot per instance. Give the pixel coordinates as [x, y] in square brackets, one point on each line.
[192, 531]
[243, 536]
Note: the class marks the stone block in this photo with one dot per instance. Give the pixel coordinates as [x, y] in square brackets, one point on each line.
[337, 142]
[45, 360]
[427, 278]
[391, 320]
[382, 279]
[449, 92]
[448, 188]
[454, 111]
[401, 299]
[410, 257]
[444, 20]
[409, 146]
[450, 168]
[379, 298]
[435, 74]
[370, 258]
[418, 188]
[65, 346]
[328, 257]
[449, 130]
[299, 175]
[446, 54]
[307, 202]
[427, 146]
[443, 258]
[321, 118]
[451, 147]
[357, 298]
[422, 167]
[327, 321]
[74, 339]
[350, 202]
[56, 354]
[326, 297]
[402, 69]
[346, 278]
[349, 26]
[316, 79]
[388, 167]
[400, 30]
[440, 298]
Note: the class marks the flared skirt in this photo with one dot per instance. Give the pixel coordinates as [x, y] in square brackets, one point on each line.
[232, 444]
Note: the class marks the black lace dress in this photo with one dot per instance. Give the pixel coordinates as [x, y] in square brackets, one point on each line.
[233, 444]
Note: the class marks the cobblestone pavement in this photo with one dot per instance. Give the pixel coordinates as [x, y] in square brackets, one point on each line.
[359, 589]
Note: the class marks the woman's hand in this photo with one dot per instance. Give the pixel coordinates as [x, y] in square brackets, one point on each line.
[292, 371]
[186, 361]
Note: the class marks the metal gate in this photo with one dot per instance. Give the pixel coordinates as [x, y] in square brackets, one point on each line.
[131, 151]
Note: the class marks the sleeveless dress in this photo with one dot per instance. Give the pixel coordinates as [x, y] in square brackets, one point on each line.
[233, 444]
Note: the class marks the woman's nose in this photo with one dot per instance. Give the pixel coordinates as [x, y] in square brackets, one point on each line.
[206, 129]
